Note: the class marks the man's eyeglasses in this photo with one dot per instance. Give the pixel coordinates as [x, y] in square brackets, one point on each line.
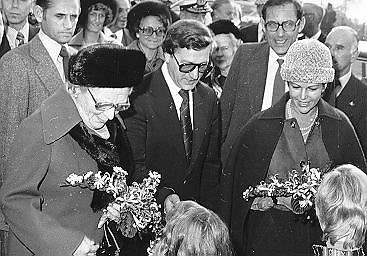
[288, 26]
[187, 68]
[148, 31]
[104, 106]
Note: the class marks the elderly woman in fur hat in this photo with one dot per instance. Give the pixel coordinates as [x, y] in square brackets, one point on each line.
[301, 128]
[95, 14]
[76, 130]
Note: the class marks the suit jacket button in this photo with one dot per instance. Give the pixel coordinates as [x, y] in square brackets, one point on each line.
[184, 182]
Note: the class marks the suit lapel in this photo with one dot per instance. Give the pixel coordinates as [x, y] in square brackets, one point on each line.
[257, 73]
[200, 123]
[346, 101]
[4, 47]
[165, 110]
[45, 67]
[33, 30]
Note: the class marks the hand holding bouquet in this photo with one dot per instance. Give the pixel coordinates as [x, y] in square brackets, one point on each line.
[134, 208]
[301, 188]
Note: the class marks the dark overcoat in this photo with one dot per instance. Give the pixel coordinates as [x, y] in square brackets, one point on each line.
[249, 160]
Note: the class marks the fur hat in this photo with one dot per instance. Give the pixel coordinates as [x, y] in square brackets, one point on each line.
[225, 27]
[106, 66]
[308, 61]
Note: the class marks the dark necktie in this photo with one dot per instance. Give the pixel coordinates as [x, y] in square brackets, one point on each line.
[20, 38]
[113, 36]
[279, 86]
[65, 60]
[186, 123]
[337, 89]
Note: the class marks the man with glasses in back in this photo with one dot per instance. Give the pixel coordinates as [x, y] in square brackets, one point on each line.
[174, 126]
[254, 83]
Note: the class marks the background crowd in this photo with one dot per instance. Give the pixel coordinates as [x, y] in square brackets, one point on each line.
[185, 89]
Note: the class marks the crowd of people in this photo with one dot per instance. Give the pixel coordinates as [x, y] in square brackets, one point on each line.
[183, 89]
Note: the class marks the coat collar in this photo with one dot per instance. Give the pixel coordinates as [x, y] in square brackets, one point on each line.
[59, 114]
[44, 67]
[278, 110]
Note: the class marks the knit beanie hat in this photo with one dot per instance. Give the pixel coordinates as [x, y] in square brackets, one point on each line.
[308, 61]
[107, 66]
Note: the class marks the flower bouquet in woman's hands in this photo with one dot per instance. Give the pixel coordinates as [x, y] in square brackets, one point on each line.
[134, 208]
[301, 187]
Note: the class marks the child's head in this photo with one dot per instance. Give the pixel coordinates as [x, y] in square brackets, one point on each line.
[193, 230]
[341, 203]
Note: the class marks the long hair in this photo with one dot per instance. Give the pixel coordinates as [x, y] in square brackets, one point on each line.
[341, 202]
[194, 231]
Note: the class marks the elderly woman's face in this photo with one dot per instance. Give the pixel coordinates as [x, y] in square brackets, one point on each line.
[148, 39]
[99, 104]
[305, 96]
[96, 20]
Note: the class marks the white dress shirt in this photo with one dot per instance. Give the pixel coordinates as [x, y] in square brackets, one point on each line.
[269, 86]
[119, 34]
[344, 80]
[1, 28]
[53, 48]
[177, 99]
[11, 34]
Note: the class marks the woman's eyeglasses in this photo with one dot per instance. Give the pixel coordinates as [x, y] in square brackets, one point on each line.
[187, 68]
[148, 31]
[104, 106]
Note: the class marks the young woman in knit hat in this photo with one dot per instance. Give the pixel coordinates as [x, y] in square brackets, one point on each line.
[301, 128]
[76, 130]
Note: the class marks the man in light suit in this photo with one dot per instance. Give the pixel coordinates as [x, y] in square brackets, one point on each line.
[174, 129]
[32, 72]
[17, 31]
[348, 93]
[254, 83]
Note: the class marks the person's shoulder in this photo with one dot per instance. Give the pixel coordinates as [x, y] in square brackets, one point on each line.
[16, 56]
[251, 48]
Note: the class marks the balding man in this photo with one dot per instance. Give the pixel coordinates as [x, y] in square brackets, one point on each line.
[313, 16]
[348, 93]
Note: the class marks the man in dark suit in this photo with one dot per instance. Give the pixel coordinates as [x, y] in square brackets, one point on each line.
[32, 72]
[254, 83]
[17, 30]
[313, 16]
[174, 129]
[348, 93]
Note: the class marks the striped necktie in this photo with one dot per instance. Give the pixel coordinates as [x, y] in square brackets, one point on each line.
[186, 123]
[20, 38]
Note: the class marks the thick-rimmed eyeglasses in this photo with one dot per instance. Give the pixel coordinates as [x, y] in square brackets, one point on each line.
[187, 68]
[104, 106]
[148, 31]
[288, 25]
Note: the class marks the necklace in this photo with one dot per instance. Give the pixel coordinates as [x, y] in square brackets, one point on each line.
[307, 129]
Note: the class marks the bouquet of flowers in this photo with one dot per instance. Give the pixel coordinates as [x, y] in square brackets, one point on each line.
[136, 203]
[301, 187]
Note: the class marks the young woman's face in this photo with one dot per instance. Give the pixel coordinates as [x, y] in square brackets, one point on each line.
[96, 20]
[305, 96]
